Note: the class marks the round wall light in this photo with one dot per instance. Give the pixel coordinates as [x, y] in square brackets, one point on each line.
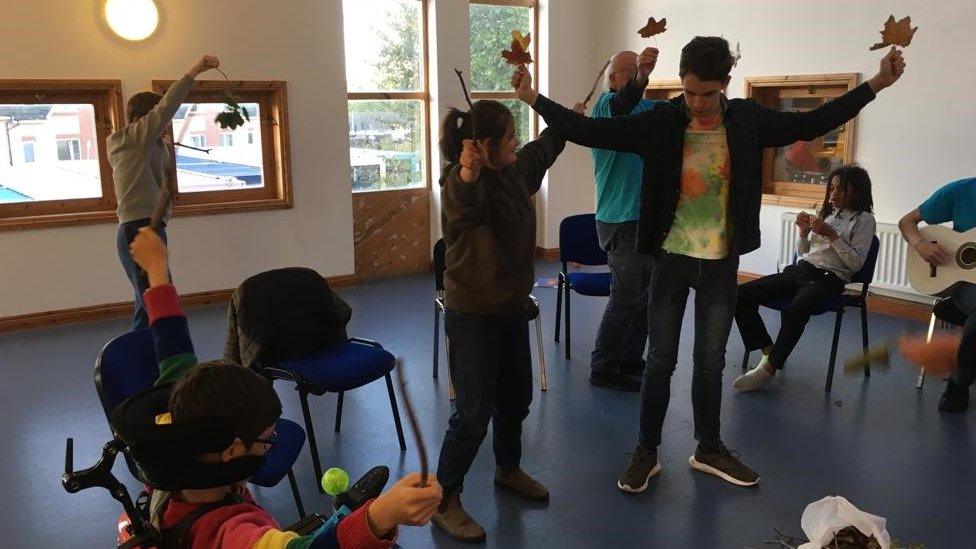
[132, 19]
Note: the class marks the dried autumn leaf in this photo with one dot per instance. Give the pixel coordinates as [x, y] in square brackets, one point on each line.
[519, 54]
[653, 27]
[896, 33]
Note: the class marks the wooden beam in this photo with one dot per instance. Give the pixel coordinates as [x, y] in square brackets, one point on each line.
[47, 319]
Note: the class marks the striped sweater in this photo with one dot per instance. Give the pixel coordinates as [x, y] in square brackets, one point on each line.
[243, 525]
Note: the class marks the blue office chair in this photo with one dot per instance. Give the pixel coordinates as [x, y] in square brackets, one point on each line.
[836, 305]
[128, 365]
[578, 243]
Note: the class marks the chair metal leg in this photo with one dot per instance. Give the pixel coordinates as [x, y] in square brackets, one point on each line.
[543, 381]
[450, 382]
[568, 323]
[437, 336]
[312, 446]
[745, 360]
[296, 494]
[833, 351]
[920, 381]
[559, 304]
[864, 336]
[338, 423]
[396, 412]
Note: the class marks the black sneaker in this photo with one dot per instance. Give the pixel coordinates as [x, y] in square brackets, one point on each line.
[724, 464]
[617, 381]
[643, 466]
[633, 367]
[955, 399]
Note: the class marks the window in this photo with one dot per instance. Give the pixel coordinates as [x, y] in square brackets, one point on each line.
[796, 175]
[663, 89]
[492, 22]
[69, 149]
[250, 138]
[28, 147]
[53, 166]
[388, 108]
[213, 173]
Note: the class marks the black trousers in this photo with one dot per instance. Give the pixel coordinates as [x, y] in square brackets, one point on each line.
[807, 287]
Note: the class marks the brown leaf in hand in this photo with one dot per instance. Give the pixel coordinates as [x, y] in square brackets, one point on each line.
[896, 33]
[653, 27]
[519, 55]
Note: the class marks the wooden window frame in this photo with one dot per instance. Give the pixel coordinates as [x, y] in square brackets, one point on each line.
[422, 95]
[663, 90]
[476, 95]
[767, 91]
[276, 193]
[106, 98]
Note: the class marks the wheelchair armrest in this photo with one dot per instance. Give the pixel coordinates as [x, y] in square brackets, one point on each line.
[364, 341]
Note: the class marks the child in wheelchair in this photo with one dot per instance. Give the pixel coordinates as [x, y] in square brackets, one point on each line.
[201, 432]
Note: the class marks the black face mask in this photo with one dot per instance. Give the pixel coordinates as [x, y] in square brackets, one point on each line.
[166, 454]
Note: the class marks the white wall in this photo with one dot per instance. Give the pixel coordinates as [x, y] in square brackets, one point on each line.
[299, 41]
[915, 137]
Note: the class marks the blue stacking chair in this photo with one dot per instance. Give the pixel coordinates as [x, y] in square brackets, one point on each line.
[578, 243]
[128, 365]
[836, 305]
[337, 369]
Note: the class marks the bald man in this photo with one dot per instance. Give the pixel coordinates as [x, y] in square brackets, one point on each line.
[618, 353]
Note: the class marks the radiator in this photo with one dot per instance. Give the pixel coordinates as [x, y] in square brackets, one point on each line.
[889, 274]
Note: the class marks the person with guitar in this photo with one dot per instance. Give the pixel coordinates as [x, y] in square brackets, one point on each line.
[949, 258]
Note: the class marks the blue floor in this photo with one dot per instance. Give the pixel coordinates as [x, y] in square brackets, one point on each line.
[877, 441]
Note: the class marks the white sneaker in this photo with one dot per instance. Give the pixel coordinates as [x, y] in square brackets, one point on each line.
[755, 378]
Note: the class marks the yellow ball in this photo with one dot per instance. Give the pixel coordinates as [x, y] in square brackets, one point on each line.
[335, 481]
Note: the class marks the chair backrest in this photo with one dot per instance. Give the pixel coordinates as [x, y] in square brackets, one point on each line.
[126, 365]
[440, 263]
[578, 241]
[866, 274]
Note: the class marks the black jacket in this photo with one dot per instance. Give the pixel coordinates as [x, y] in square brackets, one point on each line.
[658, 136]
[282, 315]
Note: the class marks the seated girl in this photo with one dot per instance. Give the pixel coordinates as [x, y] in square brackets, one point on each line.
[828, 258]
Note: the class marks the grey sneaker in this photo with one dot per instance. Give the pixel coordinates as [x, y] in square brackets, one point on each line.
[643, 466]
[725, 464]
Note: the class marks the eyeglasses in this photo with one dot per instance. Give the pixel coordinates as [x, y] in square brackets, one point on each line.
[270, 441]
[628, 69]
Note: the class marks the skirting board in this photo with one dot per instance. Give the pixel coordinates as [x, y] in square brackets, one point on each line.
[547, 254]
[89, 313]
[881, 304]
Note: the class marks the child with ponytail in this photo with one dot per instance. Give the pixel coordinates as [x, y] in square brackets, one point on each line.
[488, 220]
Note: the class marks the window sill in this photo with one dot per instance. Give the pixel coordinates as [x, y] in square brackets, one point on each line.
[790, 201]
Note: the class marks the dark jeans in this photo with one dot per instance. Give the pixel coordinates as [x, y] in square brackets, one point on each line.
[714, 282]
[127, 233]
[964, 298]
[623, 331]
[491, 370]
[806, 285]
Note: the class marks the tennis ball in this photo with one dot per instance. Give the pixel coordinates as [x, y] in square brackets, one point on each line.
[335, 481]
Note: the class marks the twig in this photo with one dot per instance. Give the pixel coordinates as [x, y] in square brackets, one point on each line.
[467, 97]
[596, 82]
[418, 437]
[178, 144]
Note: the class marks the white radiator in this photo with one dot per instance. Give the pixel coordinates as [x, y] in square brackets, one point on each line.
[889, 274]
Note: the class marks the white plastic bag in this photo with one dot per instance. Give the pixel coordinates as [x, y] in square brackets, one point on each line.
[822, 520]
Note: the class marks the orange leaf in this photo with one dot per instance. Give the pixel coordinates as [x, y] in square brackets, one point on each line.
[653, 27]
[898, 33]
[519, 55]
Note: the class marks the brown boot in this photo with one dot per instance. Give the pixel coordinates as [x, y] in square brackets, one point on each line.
[456, 522]
[521, 484]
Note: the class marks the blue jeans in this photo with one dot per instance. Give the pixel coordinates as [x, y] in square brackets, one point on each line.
[714, 282]
[127, 233]
[622, 334]
[964, 298]
[491, 370]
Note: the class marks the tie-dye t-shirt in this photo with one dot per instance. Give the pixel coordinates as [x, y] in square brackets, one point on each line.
[701, 222]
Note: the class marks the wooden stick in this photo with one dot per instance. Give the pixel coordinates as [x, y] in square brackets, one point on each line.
[467, 97]
[418, 437]
[596, 82]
